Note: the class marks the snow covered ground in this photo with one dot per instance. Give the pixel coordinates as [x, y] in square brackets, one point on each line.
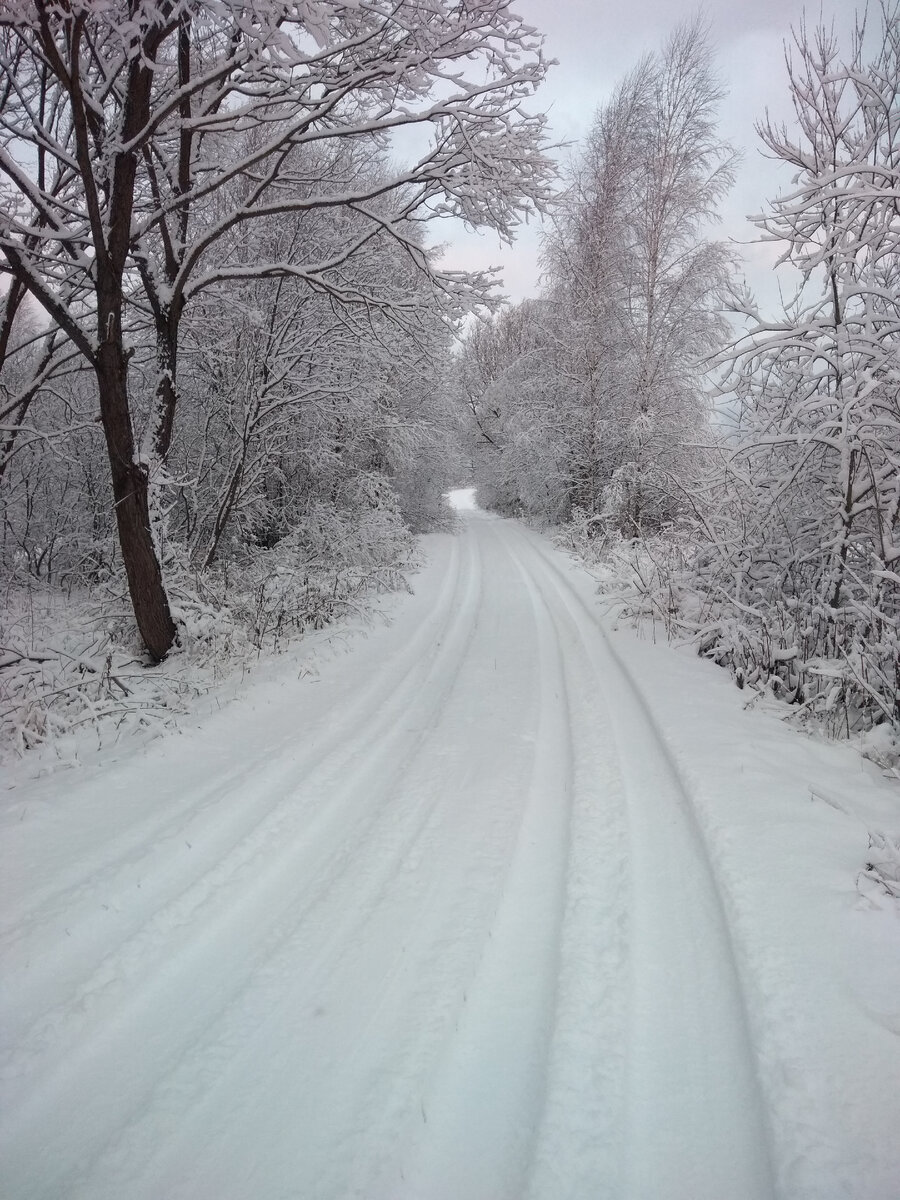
[498, 904]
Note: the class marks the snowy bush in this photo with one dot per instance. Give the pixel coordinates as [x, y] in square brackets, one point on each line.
[834, 668]
[72, 660]
[64, 667]
[803, 543]
[883, 867]
[316, 573]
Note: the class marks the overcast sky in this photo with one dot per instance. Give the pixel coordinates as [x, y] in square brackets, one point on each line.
[597, 41]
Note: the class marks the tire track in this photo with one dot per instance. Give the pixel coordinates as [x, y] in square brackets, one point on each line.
[488, 1091]
[225, 814]
[580, 1150]
[192, 933]
[160, 831]
[696, 1119]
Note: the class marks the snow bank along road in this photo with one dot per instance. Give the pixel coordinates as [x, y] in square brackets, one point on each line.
[441, 923]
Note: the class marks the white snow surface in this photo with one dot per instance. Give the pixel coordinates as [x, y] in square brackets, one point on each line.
[500, 903]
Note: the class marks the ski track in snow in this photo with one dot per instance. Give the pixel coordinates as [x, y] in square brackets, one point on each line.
[444, 926]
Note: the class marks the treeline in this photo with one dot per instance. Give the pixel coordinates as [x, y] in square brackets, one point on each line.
[740, 470]
[224, 343]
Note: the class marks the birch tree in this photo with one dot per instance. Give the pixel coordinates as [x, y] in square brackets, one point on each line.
[631, 305]
[632, 258]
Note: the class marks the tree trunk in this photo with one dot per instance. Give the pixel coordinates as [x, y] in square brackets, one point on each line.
[225, 509]
[130, 492]
[130, 478]
[166, 384]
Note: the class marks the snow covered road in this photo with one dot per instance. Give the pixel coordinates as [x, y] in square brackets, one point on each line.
[442, 922]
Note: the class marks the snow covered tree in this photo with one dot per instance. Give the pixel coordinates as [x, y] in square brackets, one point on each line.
[630, 308]
[141, 139]
[505, 382]
[290, 397]
[817, 471]
[631, 262]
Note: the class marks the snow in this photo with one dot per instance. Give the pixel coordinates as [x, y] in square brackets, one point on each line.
[462, 499]
[501, 902]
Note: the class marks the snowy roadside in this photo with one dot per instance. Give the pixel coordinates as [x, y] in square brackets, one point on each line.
[649, 581]
[788, 822]
[792, 825]
[72, 689]
[124, 705]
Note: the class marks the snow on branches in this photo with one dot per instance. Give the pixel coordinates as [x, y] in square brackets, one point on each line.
[590, 396]
[815, 478]
[146, 147]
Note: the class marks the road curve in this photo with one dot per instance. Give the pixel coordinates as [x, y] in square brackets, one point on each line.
[437, 924]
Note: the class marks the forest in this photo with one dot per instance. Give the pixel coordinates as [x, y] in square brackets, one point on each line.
[237, 375]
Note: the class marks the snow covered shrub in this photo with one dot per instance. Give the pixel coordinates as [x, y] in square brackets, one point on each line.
[765, 617]
[637, 500]
[262, 597]
[322, 568]
[710, 587]
[883, 867]
[70, 661]
[584, 534]
[802, 569]
[64, 669]
[648, 579]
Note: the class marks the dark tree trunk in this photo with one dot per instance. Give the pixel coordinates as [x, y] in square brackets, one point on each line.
[166, 385]
[130, 478]
[131, 494]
